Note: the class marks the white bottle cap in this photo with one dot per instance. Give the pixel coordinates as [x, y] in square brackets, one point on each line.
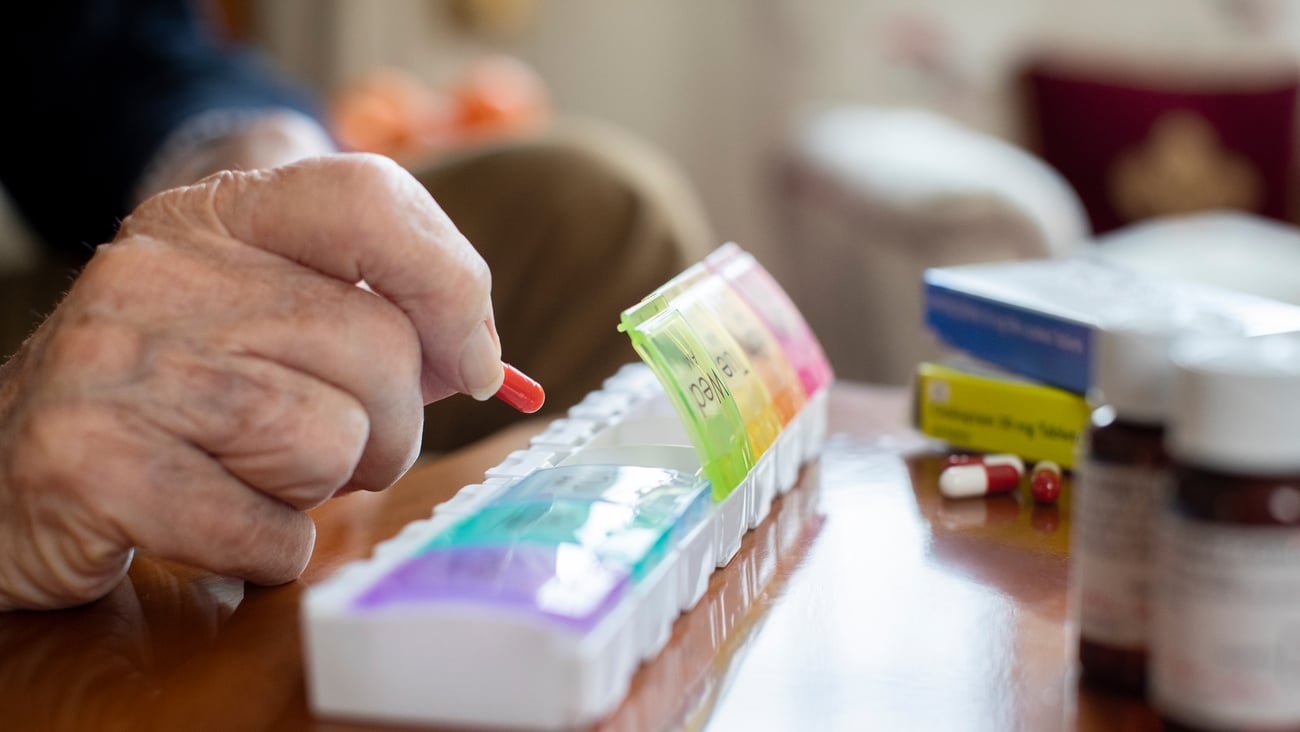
[1131, 370]
[1236, 404]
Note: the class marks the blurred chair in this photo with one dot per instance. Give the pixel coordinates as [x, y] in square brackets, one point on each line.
[869, 198]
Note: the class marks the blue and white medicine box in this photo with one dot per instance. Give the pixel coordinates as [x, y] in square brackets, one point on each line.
[1037, 317]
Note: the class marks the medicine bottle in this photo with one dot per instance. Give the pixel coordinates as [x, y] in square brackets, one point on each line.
[1225, 651]
[1122, 471]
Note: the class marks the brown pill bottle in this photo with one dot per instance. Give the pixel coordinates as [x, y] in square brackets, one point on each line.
[1225, 643]
[1122, 473]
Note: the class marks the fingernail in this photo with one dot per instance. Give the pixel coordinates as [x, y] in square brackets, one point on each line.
[480, 364]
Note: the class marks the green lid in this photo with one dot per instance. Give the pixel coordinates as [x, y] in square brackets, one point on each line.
[699, 392]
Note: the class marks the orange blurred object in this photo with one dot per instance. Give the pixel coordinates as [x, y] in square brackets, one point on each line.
[501, 93]
[392, 112]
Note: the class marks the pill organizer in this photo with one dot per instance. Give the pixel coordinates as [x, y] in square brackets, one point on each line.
[530, 599]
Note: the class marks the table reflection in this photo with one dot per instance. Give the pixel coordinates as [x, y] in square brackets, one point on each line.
[91, 667]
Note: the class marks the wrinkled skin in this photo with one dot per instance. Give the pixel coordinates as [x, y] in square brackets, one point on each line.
[245, 348]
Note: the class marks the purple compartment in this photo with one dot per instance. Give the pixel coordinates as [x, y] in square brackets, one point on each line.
[562, 583]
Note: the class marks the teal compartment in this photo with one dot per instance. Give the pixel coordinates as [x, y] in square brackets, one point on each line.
[619, 535]
[656, 494]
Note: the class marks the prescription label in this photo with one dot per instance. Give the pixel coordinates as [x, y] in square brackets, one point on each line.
[1113, 510]
[1225, 637]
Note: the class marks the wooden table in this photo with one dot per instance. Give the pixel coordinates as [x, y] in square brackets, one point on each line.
[866, 601]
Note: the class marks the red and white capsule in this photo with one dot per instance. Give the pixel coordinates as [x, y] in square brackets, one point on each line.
[976, 479]
[994, 459]
[1045, 481]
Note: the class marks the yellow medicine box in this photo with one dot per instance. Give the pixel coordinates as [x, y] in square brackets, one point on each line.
[977, 408]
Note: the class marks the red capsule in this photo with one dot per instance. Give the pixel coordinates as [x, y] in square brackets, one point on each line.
[520, 391]
[1045, 482]
[994, 459]
[974, 479]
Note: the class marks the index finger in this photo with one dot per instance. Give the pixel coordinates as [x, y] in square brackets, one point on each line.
[363, 217]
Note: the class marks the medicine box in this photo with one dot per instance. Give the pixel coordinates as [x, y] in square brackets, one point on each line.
[975, 407]
[1036, 318]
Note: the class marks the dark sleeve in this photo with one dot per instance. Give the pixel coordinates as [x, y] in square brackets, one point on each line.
[95, 88]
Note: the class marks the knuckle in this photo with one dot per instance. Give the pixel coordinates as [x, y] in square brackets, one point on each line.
[333, 466]
[328, 453]
[246, 537]
[111, 265]
[139, 259]
[222, 178]
[369, 177]
[387, 330]
[467, 282]
[158, 206]
[478, 276]
[250, 533]
[164, 207]
[186, 206]
[112, 261]
[371, 171]
[272, 544]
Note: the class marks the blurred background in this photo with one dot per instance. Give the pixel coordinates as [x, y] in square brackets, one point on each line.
[850, 144]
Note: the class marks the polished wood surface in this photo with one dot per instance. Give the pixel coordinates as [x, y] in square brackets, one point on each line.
[866, 601]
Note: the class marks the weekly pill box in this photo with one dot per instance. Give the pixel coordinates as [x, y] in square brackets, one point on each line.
[375, 656]
[530, 599]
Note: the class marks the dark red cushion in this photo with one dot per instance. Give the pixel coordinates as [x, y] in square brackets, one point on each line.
[1137, 144]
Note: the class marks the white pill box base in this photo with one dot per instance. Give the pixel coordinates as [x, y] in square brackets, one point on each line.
[475, 665]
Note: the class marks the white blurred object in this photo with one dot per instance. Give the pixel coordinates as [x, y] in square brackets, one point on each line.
[872, 197]
[1229, 249]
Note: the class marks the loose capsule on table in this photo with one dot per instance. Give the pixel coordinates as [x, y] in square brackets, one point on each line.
[999, 459]
[976, 479]
[1045, 482]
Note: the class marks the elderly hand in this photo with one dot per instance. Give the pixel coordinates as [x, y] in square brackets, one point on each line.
[218, 369]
